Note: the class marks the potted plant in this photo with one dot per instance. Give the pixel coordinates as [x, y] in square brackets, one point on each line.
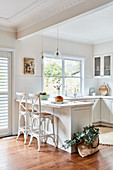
[88, 139]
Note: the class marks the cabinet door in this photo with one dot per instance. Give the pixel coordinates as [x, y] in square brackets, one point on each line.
[107, 65]
[111, 113]
[96, 111]
[105, 110]
[81, 117]
[97, 66]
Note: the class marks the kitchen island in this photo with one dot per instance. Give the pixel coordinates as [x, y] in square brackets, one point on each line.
[69, 117]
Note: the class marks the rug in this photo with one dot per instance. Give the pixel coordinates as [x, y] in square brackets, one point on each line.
[106, 135]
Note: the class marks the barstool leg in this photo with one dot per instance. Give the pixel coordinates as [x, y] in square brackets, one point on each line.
[31, 138]
[25, 133]
[19, 126]
[39, 144]
[53, 131]
[45, 129]
[25, 137]
[18, 134]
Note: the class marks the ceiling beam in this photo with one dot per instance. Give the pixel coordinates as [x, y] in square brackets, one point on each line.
[83, 7]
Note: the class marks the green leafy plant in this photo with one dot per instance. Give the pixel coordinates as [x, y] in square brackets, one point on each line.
[44, 93]
[87, 136]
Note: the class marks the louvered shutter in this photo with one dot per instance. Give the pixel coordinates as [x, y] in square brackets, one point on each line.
[4, 93]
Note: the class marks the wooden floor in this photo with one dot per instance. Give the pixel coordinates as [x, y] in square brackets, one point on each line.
[14, 155]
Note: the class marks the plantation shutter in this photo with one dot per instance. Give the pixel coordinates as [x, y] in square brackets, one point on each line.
[4, 93]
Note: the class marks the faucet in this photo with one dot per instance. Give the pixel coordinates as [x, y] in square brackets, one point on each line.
[75, 93]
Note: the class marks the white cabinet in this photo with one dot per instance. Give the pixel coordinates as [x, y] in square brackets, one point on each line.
[96, 111]
[81, 117]
[105, 110]
[111, 112]
[102, 65]
[97, 66]
[107, 65]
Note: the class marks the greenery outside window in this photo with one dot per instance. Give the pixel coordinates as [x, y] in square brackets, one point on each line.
[66, 70]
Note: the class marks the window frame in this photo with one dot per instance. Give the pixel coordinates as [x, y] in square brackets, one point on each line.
[63, 58]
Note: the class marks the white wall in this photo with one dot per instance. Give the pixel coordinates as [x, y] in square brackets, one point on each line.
[104, 48]
[7, 39]
[31, 47]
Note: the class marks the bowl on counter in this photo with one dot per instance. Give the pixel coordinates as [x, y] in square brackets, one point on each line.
[44, 97]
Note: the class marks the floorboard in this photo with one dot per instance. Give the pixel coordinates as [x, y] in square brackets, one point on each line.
[14, 155]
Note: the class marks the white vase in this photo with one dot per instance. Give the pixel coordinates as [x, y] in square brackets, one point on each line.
[58, 92]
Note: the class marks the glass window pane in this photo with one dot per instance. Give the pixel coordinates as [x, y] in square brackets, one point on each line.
[52, 66]
[50, 84]
[107, 65]
[97, 66]
[71, 84]
[72, 68]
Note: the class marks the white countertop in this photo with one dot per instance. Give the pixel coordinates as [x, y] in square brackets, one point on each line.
[88, 97]
[66, 104]
[62, 105]
[71, 101]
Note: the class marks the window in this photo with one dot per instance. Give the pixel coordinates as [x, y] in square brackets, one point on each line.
[66, 70]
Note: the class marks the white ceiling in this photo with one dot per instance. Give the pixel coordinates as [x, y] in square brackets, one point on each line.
[21, 15]
[93, 28]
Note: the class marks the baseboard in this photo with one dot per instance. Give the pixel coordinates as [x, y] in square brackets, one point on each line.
[103, 124]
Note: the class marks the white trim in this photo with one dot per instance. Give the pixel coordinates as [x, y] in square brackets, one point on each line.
[31, 28]
[14, 130]
[7, 28]
[6, 49]
[7, 54]
[50, 55]
[62, 7]
[9, 94]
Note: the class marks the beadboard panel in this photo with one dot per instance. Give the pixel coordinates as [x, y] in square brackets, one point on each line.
[28, 84]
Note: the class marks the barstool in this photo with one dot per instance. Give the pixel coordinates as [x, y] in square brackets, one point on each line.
[38, 120]
[23, 112]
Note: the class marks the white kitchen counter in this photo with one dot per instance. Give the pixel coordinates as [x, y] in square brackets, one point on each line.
[88, 97]
[63, 104]
[66, 104]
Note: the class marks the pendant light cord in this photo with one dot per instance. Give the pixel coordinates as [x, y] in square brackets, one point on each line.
[57, 38]
[42, 46]
[42, 42]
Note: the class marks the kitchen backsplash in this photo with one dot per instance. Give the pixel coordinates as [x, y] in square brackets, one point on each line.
[96, 83]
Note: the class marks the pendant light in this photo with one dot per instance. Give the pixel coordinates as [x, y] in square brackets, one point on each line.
[42, 52]
[42, 59]
[57, 53]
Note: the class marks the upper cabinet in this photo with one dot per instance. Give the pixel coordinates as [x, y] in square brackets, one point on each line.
[97, 66]
[102, 65]
[107, 65]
